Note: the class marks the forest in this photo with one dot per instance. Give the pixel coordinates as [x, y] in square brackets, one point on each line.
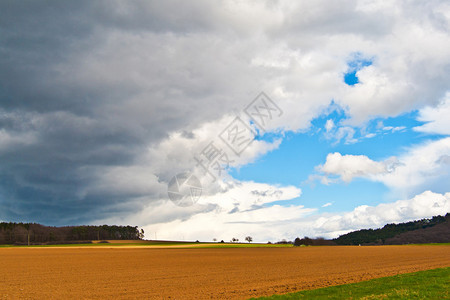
[395, 233]
[32, 233]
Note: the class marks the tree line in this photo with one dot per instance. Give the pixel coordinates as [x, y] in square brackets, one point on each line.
[433, 230]
[32, 233]
[381, 235]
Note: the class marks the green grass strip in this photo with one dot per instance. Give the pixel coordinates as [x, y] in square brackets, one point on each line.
[432, 284]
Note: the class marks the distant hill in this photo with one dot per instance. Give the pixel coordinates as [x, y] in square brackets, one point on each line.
[439, 233]
[434, 230]
[32, 233]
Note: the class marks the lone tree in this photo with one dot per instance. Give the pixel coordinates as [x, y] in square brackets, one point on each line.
[249, 239]
[234, 240]
[297, 242]
[141, 234]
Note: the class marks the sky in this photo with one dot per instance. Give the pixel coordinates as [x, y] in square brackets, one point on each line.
[296, 118]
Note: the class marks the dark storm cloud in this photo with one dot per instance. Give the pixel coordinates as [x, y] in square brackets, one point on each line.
[61, 122]
[36, 37]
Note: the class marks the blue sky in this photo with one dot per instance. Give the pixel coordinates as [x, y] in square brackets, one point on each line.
[296, 159]
[299, 153]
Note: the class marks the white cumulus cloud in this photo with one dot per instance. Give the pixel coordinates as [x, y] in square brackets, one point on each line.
[348, 167]
[421, 167]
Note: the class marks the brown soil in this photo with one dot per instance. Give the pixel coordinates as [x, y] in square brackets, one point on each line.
[200, 273]
[121, 241]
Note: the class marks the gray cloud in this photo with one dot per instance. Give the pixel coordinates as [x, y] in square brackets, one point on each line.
[91, 85]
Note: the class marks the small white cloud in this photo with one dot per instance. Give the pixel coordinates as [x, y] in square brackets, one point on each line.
[329, 125]
[348, 167]
[327, 204]
[394, 129]
[398, 128]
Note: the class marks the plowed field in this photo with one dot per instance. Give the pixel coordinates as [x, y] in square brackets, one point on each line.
[200, 273]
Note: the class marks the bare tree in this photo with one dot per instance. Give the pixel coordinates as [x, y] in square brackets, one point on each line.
[249, 239]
